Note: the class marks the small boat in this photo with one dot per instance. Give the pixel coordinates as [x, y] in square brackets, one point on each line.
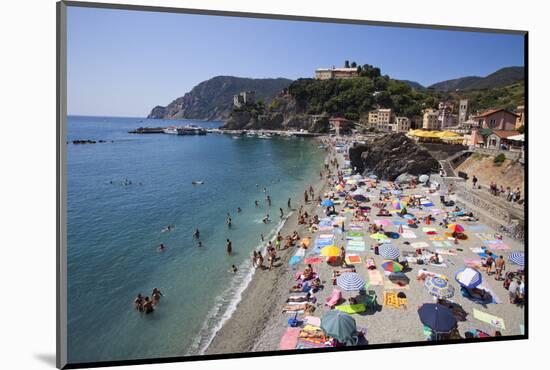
[236, 137]
[200, 182]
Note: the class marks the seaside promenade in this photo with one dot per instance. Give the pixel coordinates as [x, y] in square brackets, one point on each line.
[259, 324]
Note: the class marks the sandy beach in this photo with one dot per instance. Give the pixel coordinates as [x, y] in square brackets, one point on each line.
[258, 322]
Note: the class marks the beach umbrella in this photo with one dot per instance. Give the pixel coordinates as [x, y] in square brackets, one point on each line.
[455, 228]
[388, 251]
[350, 281]
[373, 177]
[330, 251]
[518, 258]
[423, 178]
[396, 192]
[359, 198]
[439, 287]
[408, 216]
[437, 317]
[327, 203]
[398, 204]
[399, 278]
[378, 236]
[392, 266]
[468, 277]
[338, 325]
[339, 187]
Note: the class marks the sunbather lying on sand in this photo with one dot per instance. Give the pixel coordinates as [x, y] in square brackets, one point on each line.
[302, 298]
[306, 307]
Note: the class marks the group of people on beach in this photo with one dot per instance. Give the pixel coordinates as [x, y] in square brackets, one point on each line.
[510, 194]
[146, 304]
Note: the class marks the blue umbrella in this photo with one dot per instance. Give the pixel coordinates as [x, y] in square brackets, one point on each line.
[389, 251]
[339, 325]
[518, 258]
[327, 203]
[439, 287]
[468, 277]
[350, 281]
[437, 317]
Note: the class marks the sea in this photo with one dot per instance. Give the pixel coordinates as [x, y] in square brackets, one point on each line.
[123, 192]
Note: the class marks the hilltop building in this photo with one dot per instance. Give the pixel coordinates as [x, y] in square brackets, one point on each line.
[335, 73]
[463, 110]
[244, 98]
[430, 120]
[497, 119]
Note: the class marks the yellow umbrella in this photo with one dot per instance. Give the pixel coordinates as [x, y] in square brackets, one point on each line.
[330, 251]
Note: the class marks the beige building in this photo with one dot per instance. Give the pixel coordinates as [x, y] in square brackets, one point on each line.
[335, 73]
[430, 120]
[520, 111]
[401, 124]
[382, 119]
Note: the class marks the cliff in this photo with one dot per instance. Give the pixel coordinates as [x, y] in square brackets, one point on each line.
[213, 99]
[391, 156]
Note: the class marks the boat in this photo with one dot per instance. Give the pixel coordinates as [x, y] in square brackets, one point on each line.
[171, 130]
[185, 130]
[199, 182]
[236, 137]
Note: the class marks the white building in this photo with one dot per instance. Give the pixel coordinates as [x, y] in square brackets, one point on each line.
[401, 124]
[430, 120]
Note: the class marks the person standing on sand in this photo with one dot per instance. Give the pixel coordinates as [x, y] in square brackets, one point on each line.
[500, 265]
[229, 246]
[260, 260]
[305, 197]
[343, 256]
[254, 259]
[474, 182]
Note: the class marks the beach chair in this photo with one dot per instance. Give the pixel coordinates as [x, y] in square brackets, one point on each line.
[333, 299]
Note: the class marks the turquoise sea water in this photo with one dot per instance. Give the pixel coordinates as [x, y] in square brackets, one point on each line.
[114, 229]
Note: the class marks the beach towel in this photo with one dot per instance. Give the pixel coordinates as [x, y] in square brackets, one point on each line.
[351, 259]
[326, 236]
[427, 273]
[492, 320]
[448, 252]
[375, 277]
[289, 339]
[312, 320]
[355, 227]
[355, 248]
[294, 260]
[438, 265]
[397, 223]
[427, 203]
[492, 242]
[408, 234]
[355, 234]
[500, 247]
[305, 344]
[442, 244]
[437, 238]
[470, 262]
[324, 242]
[428, 229]
[352, 308]
[383, 222]
[392, 300]
[357, 243]
[420, 245]
[483, 236]
[313, 260]
[354, 238]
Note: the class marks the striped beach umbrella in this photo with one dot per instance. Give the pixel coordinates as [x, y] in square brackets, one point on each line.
[468, 277]
[379, 236]
[392, 266]
[518, 258]
[456, 228]
[350, 281]
[439, 287]
[330, 251]
[389, 251]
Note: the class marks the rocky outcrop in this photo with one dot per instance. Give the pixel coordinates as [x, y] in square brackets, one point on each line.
[282, 114]
[392, 155]
[213, 99]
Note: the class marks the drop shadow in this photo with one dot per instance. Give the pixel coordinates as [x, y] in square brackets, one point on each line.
[46, 358]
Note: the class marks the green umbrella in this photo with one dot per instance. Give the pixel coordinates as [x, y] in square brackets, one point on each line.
[338, 325]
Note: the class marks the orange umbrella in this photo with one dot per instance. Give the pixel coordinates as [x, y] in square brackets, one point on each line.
[455, 228]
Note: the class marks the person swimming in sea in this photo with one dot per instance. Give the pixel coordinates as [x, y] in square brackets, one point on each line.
[229, 246]
[161, 248]
[167, 229]
[199, 244]
[197, 234]
[229, 222]
[233, 269]
[155, 296]
[266, 219]
[239, 210]
[256, 203]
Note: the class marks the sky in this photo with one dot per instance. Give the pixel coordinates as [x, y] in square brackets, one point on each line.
[123, 63]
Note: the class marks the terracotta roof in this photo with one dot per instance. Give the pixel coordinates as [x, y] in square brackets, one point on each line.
[503, 134]
[337, 119]
[492, 111]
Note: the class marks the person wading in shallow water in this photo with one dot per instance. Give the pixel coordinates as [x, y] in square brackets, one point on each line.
[229, 246]
[288, 203]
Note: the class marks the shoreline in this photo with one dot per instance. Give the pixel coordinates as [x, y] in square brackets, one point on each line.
[259, 303]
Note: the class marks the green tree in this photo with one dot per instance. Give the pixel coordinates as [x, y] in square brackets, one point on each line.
[346, 63]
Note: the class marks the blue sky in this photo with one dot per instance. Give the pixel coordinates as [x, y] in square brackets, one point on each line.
[123, 63]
